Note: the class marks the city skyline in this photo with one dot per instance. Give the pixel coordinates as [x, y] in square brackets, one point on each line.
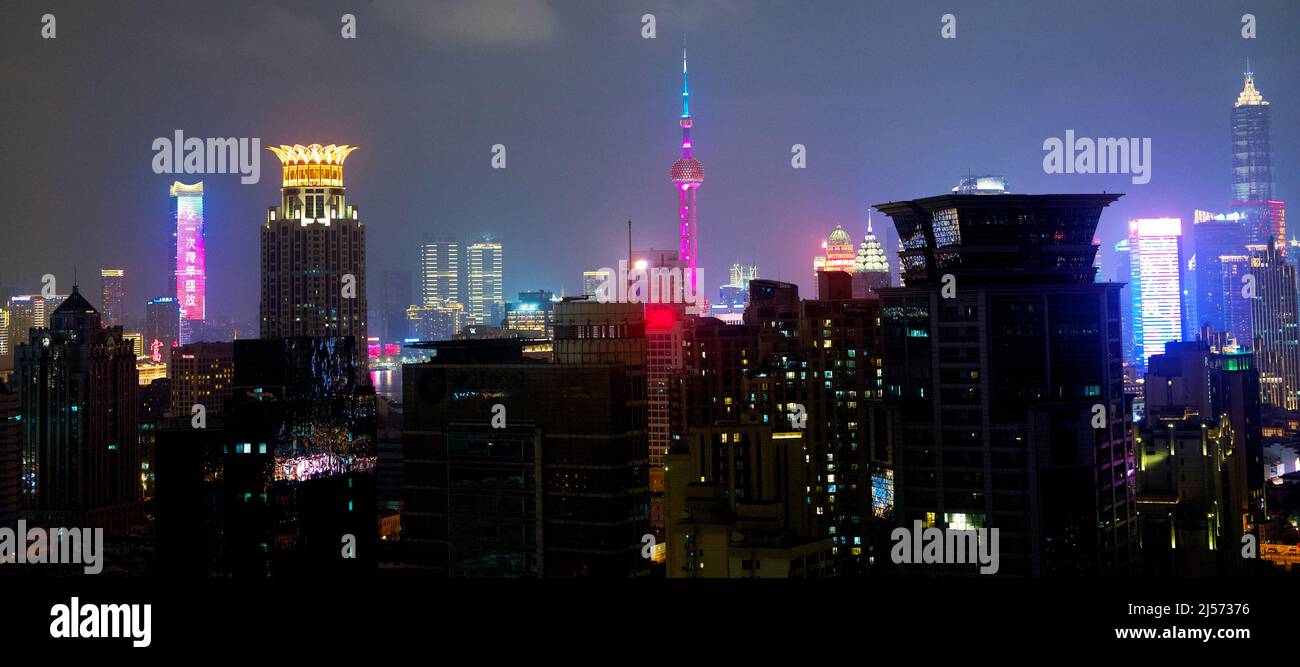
[882, 156]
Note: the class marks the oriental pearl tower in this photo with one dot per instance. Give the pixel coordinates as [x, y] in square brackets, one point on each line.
[687, 175]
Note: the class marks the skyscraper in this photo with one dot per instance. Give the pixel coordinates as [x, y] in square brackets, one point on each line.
[1252, 152]
[440, 269]
[840, 253]
[1236, 305]
[1156, 261]
[1214, 236]
[314, 253]
[114, 296]
[81, 459]
[486, 294]
[996, 386]
[871, 267]
[162, 329]
[687, 174]
[1275, 328]
[191, 258]
[1262, 215]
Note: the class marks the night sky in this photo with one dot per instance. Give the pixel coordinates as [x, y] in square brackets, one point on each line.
[588, 111]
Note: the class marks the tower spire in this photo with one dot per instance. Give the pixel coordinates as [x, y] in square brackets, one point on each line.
[686, 91]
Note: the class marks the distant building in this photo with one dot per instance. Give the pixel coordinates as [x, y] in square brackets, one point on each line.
[485, 303]
[871, 267]
[1276, 329]
[1215, 236]
[531, 314]
[162, 329]
[1156, 262]
[191, 272]
[11, 449]
[441, 266]
[114, 296]
[201, 374]
[982, 185]
[734, 296]
[81, 462]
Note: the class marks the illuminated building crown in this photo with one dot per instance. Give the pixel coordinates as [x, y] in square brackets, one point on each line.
[313, 165]
[1248, 95]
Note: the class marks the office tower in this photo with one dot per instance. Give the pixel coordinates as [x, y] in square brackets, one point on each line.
[687, 174]
[81, 462]
[485, 303]
[11, 449]
[734, 296]
[1236, 304]
[1275, 328]
[201, 374]
[997, 386]
[26, 312]
[1156, 261]
[1262, 215]
[440, 273]
[982, 185]
[870, 267]
[114, 291]
[162, 329]
[438, 322]
[839, 253]
[5, 361]
[1214, 236]
[314, 253]
[394, 298]
[569, 437]
[531, 314]
[1200, 480]
[1252, 151]
[191, 258]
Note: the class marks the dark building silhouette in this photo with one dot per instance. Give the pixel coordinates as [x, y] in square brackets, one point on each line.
[997, 354]
[11, 449]
[551, 484]
[80, 397]
[286, 478]
[1200, 479]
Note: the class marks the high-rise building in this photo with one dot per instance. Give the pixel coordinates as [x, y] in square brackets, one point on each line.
[162, 329]
[394, 298]
[1156, 263]
[439, 322]
[440, 273]
[687, 174]
[11, 449]
[80, 397]
[314, 253]
[734, 296]
[201, 374]
[840, 254]
[515, 468]
[870, 267]
[486, 304]
[1234, 270]
[531, 314]
[1214, 236]
[114, 291]
[1275, 328]
[1200, 478]
[191, 258]
[24, 313]
[1252, 151]
[996, 387]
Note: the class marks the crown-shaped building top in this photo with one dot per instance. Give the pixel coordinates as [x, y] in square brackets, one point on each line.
[179, 189]
[871, 254]
[1248, 95]
[314, 165]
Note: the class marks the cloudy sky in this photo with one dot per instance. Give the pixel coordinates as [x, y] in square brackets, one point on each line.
[587, 110]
